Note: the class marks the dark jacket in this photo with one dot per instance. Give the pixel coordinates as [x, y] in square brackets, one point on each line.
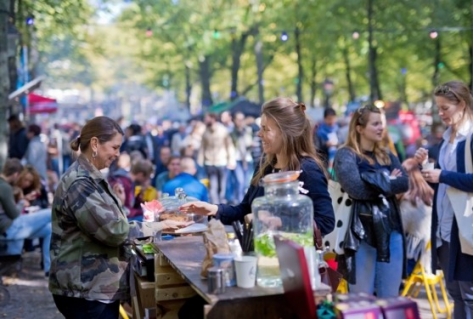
[17, 144]
[460, 265]
[314, 181]
[348, 167]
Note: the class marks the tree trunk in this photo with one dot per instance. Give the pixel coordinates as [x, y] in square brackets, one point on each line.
[350, 85]
[435, 77]
[205, 76]
[238, 46]
[260, 67]
[314, 83]
[4, 79]
[251, 86]
[375, 93]
[378, 91]
[403, 89]
[12, 49]
[299, 80]
[188, 86]
[470, 66]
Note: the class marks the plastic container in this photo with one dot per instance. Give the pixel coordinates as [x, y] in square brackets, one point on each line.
[283, 211]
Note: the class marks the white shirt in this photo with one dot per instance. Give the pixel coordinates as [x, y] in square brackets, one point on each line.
[447, 161]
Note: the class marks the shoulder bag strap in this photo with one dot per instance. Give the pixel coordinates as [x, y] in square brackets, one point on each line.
[318, 238]
[468, 154]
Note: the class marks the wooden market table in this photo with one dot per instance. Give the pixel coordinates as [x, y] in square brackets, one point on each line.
[181, 259]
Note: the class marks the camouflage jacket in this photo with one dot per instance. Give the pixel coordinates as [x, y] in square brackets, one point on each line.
[90, 236]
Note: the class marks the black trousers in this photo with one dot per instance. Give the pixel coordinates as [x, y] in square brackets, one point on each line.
[79, 308]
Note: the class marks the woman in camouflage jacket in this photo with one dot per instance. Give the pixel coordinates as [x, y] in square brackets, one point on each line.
[89, 268]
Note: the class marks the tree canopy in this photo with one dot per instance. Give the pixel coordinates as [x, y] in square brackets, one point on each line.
[217, 50]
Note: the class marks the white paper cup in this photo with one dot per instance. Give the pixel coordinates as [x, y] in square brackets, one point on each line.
[245, 269]
[428, 166]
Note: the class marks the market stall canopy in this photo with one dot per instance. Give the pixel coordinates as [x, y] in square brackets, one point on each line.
[240, 104]
[35, 83]
[40, 104]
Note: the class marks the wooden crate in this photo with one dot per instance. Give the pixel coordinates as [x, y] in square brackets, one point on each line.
[145, 297]
[171, 289]
[169, 309]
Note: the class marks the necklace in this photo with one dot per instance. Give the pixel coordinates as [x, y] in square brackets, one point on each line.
[276, 170]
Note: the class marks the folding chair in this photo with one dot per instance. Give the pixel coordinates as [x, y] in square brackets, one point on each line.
[419, 278]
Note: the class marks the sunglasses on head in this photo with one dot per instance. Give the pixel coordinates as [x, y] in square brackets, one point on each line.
[444, 90]
[367, 107]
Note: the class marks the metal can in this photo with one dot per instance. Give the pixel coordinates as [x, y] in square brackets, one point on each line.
[216, 280]
[226, 262]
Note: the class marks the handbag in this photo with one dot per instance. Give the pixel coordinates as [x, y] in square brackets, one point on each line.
[462, 205]
[341, 204]
[329, 276]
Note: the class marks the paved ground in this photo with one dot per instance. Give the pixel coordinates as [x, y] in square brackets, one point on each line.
[30, 298]
[29, 295]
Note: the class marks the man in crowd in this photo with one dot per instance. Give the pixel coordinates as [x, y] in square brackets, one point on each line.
[217, 154]
[18, 141]
[187, 181]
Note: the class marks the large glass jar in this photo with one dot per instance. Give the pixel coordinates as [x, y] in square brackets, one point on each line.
[283, 211]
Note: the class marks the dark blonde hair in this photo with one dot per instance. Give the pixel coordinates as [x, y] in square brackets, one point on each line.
[456, 92]
[361, 118]
[101, 127]
[296, 134]
[28, 169]
[418, 187]
[142, 166]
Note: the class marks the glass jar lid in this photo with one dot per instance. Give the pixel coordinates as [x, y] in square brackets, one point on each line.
[282, 177]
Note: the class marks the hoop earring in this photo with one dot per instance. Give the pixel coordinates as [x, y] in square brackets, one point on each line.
[94, 154]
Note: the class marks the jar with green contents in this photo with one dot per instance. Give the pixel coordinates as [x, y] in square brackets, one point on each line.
[281, 211]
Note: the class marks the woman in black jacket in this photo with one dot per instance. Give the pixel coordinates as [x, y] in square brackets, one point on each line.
[287, 141]
[375, 260]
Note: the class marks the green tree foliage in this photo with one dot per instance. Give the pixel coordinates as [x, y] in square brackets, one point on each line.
[216, 41]
[218, 49]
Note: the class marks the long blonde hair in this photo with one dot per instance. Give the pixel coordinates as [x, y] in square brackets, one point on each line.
[361, 118]
[418, 187]
[296, 134]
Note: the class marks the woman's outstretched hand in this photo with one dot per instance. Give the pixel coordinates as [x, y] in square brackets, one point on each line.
[200, 208]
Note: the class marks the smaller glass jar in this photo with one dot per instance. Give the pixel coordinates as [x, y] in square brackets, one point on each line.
[281, 211]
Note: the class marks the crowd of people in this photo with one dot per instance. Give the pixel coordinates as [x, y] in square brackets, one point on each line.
[83, 187]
